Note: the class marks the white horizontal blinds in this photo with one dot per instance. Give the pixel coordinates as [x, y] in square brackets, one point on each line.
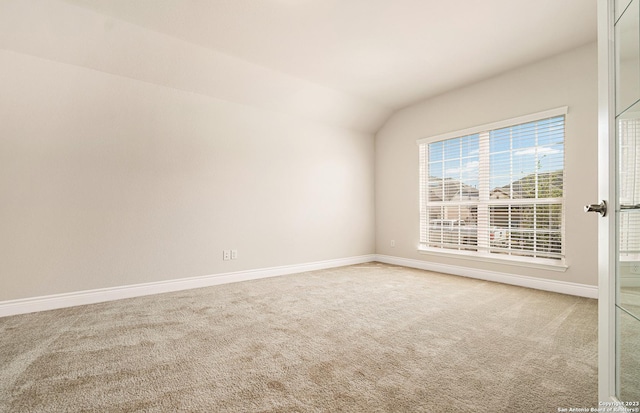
[498, 191]
[526, 170]
[450, 193]
[629, 195]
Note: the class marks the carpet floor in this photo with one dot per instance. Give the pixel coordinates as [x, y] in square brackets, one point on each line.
[363, 338]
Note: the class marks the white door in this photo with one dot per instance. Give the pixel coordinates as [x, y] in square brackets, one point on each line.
[619, 188]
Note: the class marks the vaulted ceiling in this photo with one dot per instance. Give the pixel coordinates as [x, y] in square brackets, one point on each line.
[389, 52]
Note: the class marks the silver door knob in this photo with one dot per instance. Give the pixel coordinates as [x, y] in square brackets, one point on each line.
[600, 208]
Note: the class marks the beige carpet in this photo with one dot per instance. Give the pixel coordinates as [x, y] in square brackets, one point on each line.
[364, 338]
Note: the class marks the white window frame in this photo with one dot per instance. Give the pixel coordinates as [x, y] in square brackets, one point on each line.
[486, 256]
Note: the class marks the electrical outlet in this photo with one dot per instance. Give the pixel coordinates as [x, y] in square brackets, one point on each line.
[393, 243]
[634, 268]
[226, 255]
[234, 254]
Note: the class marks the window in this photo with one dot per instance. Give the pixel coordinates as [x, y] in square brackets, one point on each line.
[496, 190]
[629, 186]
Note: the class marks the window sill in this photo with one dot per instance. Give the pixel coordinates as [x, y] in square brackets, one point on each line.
[544, 264]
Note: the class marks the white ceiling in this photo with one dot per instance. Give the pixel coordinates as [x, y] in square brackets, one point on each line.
[391, 52]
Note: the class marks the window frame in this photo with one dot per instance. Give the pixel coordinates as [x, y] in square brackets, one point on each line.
[486, 256]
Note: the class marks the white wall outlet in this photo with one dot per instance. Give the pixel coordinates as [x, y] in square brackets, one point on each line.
[393, 243]
[226, 255]
[234, 254]
[634, 268]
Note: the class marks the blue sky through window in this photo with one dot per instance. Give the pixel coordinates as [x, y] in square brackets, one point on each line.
[455, 159]
[514, 153]
[522, 150]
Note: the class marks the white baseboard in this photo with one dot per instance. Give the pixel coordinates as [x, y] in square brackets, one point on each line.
[563, 287]
[52, 302]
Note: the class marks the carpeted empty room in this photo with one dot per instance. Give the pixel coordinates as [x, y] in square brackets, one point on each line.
[364, 338]
[319, 205]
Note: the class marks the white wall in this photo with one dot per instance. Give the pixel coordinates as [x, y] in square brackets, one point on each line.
[109, 176]
[569, 80]
[127, 156]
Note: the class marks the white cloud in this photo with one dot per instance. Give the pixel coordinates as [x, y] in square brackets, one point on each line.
[470, 166]
[544, 150]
